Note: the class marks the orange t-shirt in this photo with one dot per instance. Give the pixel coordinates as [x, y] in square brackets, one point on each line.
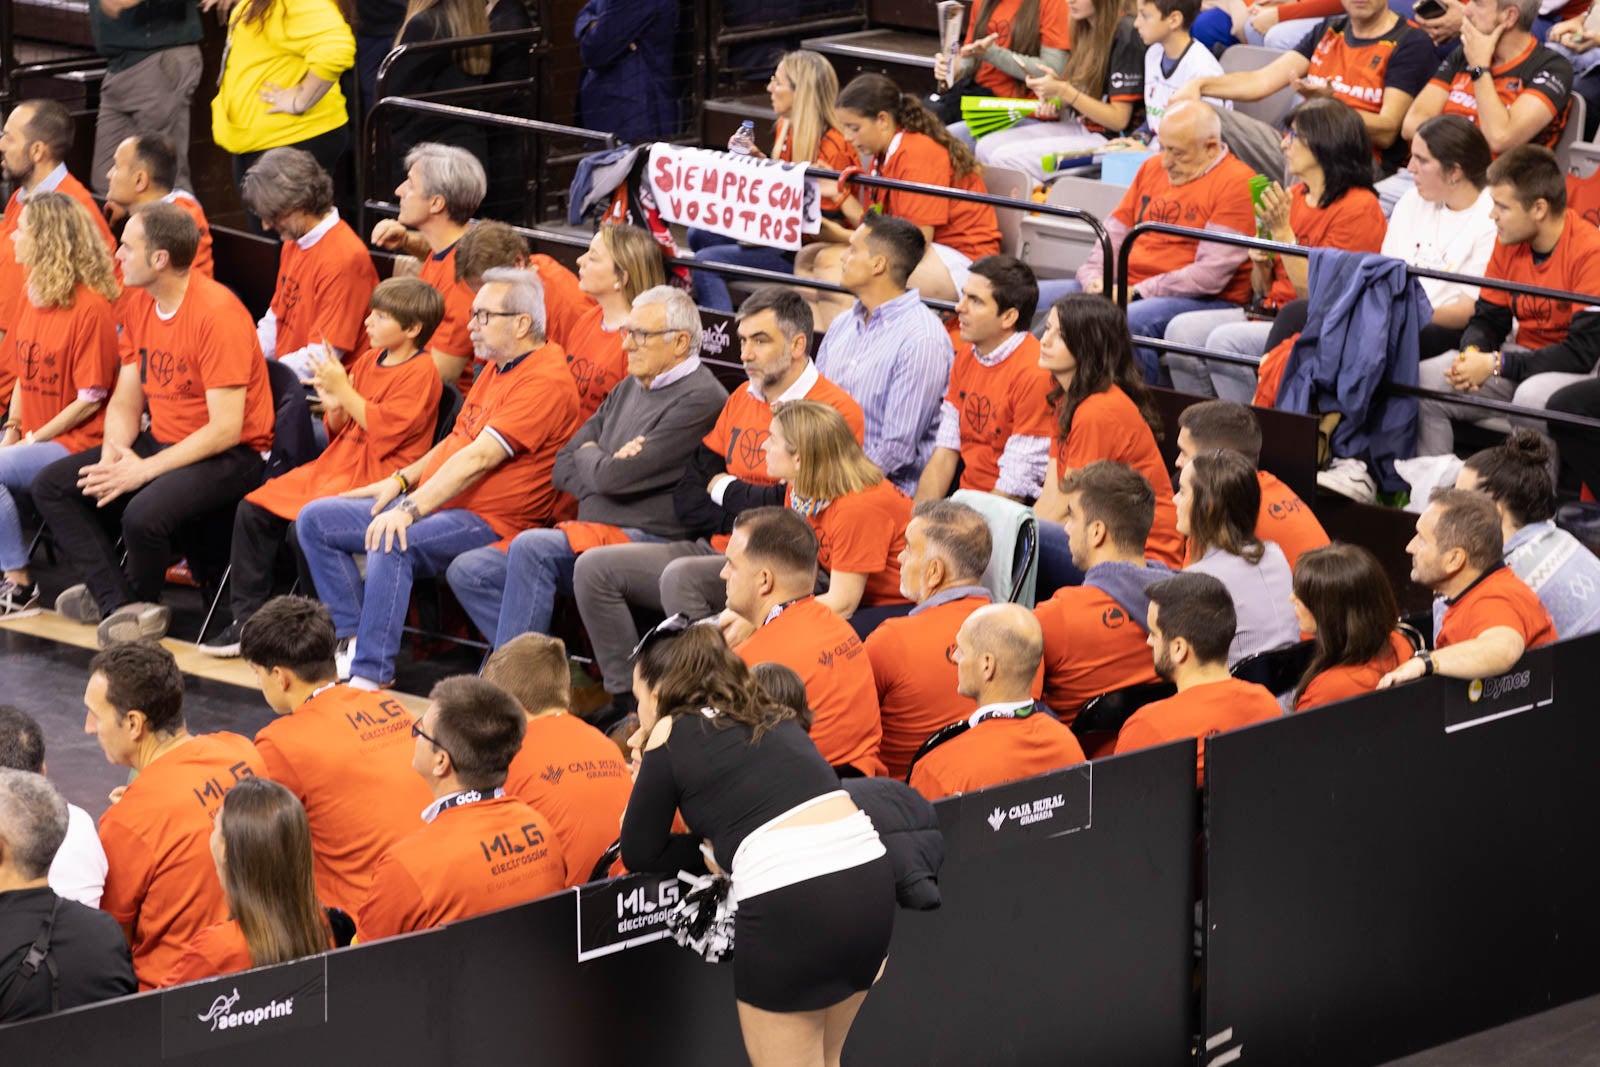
[210, 343]
[1499, 598]
[1091, 646]
[203, 263]
[160, 879]
[533, 409]
[964, 225]
[402, 411]
[218, 949]
[1198, 712]
[744, 426]
[324, 292]
[453, 337]
[564, 302]
[864, 533]
[1220, 198]
[1573, 265]
[13, 275]
[994, 752]
[1342, 683]
[916, 678]
[1354, 223]
[346, 753]
[1286, 520]
[1055, 31]
[834, 151]
[1108, 426]
[819, 646]
[470, 859]
[1583, 197]
[996, 403]
[595, 358]
[57, 353]
[573, 775]
[1536, 69]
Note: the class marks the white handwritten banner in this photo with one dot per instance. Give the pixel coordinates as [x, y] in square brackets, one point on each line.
[756, 201]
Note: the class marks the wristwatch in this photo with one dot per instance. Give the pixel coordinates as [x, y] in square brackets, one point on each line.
[1427, 661]
[409, 506]
[1475, 73]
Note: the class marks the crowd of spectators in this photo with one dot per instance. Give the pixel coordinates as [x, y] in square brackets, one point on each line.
[535, 437]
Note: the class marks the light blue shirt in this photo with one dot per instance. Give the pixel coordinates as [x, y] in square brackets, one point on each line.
[1260, 592]
[1564, 574]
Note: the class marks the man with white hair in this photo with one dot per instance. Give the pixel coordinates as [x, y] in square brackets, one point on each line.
[623, 466]
[488, 480]
[54, 953]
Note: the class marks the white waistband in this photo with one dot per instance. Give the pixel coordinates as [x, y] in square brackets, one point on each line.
[773, 857]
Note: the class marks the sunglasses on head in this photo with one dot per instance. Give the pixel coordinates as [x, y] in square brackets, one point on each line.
[672, 626]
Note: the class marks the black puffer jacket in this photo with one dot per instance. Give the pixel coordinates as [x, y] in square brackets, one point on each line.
[910, 830]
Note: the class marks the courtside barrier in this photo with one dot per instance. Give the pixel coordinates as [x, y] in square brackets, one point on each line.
[1066, 934]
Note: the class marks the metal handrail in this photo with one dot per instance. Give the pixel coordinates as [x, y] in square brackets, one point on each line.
[1278, 247]
[532, 34]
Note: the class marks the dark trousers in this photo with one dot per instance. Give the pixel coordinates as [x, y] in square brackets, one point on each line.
[1579, 446]
[176, 512]
[259, 537]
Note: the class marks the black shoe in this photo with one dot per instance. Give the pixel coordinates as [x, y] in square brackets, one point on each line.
[226, 644]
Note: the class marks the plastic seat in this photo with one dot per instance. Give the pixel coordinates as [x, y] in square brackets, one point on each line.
[1106, 713]
[1279, 669]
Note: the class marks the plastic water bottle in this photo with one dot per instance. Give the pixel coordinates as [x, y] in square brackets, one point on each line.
[743, 141]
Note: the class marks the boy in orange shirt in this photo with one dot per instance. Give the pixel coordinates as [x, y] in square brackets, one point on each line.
[995, 419]
[161, 884]
[566, 769]
[380, 417]
[1191, 624]
[344, 753]
[477, 851]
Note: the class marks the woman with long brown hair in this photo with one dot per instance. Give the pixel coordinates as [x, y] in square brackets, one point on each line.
[261, 845]
[811, 882]
[63, 353]
[622, 262]
[1344, 601]
[1218, 501]
[860, 517]
[1103, 411]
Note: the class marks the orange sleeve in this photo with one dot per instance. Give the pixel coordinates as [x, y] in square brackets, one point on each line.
[227, 348]
[392, 903]
[1032, 414]
[926, 781]
[1092, 437]
[1500, 266]
[857, 535]
[277, 767]
[1358, 225]
[919, 159]
[452, 337]
[401, 415]
[92, 353]
[130, 865]
[341, 307]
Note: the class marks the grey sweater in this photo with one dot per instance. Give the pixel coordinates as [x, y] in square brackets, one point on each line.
[637, 491]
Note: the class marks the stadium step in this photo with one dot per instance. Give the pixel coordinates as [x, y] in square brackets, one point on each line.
[722, 115]
[903, 55]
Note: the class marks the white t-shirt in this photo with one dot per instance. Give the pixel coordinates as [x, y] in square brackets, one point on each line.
[1196, 62]
[1436, 238]
[79, 870]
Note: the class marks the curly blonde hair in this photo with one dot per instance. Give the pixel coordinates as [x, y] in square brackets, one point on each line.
[68, 251]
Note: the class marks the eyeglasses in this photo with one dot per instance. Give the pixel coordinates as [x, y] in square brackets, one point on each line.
[481, 316]
[639, 337]
[416, 731]
[672, 626]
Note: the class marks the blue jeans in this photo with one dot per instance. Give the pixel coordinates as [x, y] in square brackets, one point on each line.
[511, 593]
[1149, 318]
[333, 529]
[19, 464]
[710, 288]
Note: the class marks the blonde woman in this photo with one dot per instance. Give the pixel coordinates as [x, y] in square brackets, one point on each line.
[622, 262]
[63, 350]
[437, 71]
[803, 89]
[859, 516]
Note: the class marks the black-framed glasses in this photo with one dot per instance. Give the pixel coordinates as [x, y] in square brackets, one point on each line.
[639, 337]
[416, 731]
[481, 316]
[672, 626]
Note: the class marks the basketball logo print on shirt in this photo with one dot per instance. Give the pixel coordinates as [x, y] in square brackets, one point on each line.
[746, 446]
[977, 410]
[1159, 209]
[1533, 310]
[287, 300]
[584, 373]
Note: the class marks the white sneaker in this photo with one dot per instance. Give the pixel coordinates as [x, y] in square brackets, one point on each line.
[1348, 477]
[344, 655]
[18, 601]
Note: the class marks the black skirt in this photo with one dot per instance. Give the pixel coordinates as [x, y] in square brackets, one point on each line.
[813, 944]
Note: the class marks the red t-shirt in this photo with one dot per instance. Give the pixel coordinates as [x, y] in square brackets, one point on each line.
[1573, 265]
[402, 412]
[1199, 712]
[346, 753]
[1354, 223]
[1583, 197]
[13, 275]
[453, 337]
[57, 353]
[1219, 198]
[218, 949]
[210, 343]
[564, 302]
[573, 775]
[324, 292]
[864, 533]
[1108, 426]
[996, 751]
[1055, 31]
[470, 859]
[1536, 69]
[595, 359]
[1091, 646]
[1342, 683]
[203, 261]
[964, 225]
[996, 403]
[819, 646]
[834, 151]
[533, 409]
[160, 878]
[1286, 520]
[916, 679]
[1499, 598]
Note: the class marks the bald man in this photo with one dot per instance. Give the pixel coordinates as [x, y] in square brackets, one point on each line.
[1009, 737]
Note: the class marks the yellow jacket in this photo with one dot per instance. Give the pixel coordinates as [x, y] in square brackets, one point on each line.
[297, 37]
